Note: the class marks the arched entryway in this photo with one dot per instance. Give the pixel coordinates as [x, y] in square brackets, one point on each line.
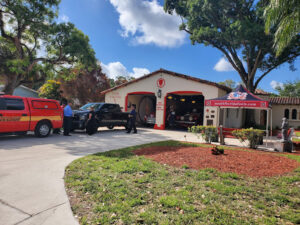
[145, 106]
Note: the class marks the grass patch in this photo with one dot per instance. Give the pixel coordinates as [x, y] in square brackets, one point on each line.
[296, 140]
[118, 187]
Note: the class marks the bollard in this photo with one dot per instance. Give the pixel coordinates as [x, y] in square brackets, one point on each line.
[222, 142]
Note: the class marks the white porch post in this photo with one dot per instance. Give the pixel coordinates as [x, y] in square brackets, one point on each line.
[271, 122]
[218, 117]
[267, 128]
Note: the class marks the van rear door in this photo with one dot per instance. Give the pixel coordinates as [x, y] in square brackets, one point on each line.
[14, 114]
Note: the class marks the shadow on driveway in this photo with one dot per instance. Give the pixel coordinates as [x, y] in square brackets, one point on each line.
[80, 143]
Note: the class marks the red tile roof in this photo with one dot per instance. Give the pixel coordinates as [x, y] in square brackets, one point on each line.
[284, 100]
[261, 92]
[172, 74]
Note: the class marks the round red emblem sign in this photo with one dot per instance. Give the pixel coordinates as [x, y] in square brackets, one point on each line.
[161, 82]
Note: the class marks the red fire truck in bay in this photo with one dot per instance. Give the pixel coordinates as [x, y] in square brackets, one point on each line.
[21, 114]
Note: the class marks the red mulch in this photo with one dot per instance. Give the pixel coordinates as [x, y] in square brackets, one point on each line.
[250, 163]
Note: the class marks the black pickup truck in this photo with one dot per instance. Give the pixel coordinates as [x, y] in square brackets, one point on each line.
[107, 115]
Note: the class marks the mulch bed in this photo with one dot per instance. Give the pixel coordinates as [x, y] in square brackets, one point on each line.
[250, 163]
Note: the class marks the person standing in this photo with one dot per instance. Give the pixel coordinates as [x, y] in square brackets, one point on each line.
[171, 117]
[132, 119]
[68, 114]
[62, 103]
[91, 126]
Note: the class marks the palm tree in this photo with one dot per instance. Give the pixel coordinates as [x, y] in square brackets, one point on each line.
[284, 15]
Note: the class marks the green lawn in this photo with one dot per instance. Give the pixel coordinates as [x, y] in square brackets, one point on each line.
[296, 140]
[118, 187]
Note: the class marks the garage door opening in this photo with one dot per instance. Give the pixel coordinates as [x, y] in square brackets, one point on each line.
[188, 108]
[145, 107]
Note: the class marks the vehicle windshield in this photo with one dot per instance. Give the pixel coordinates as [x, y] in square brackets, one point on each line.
[96, 106]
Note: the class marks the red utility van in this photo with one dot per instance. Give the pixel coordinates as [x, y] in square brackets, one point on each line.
[20, 114]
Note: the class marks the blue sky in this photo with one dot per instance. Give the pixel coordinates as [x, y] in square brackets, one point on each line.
[134, 37]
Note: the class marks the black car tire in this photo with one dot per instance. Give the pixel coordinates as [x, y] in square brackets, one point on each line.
[42, 129]
[110, 127]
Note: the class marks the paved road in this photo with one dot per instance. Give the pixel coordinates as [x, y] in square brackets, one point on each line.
[32, 188]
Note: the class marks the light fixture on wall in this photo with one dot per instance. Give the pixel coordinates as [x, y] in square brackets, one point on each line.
[182, 99]
[170, 97]
[193, 101]
[159, 93]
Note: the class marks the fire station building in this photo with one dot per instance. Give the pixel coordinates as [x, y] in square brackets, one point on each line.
[154, 94]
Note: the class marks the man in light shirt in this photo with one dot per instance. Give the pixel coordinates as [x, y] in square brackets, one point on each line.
[68, 115]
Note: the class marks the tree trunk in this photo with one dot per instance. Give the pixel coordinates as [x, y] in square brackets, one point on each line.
[11, 83]
[250, 113]
[250, 86]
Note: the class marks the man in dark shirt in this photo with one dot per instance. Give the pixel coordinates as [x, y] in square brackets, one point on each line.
[132, 119]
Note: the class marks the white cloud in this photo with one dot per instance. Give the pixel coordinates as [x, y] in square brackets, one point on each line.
[138, 72]
[64, 18]
[147, 23]
[115, 69]
[275, 84]
[223, 66]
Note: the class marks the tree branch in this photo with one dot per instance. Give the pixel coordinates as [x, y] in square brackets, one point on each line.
[28, 50]
[257, 60]
[3, 33]
[237, 61]
[248, 59]
[262, 76]
[231, 62]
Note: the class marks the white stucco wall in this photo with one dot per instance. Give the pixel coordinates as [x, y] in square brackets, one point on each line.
[172, 84]
[278, 114]
[233, 117]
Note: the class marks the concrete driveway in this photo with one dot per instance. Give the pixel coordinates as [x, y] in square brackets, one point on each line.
[32, 169]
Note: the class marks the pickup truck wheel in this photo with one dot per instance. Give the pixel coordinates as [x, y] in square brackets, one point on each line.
[110, 127]
[42, 129]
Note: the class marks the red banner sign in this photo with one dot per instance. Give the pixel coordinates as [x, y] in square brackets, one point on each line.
[237, 104]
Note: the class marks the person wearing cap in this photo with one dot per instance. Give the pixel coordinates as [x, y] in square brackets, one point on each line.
[68, 114]
[132, 119]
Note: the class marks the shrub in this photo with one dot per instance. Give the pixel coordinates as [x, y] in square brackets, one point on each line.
[50, 90]
[217, 150]
[254, 136]
[185, 166]
[209, 133]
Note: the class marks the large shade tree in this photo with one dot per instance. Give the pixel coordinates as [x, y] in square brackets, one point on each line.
[86, 86]
[237, 29]
[32, 43]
